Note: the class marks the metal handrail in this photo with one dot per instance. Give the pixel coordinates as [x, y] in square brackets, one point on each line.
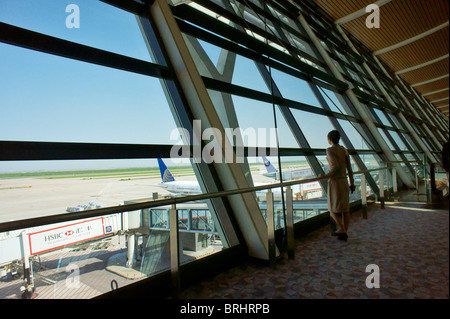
[45, 220]
[393, 162]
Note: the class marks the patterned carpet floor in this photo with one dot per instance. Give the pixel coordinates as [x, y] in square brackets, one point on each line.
[408, 241]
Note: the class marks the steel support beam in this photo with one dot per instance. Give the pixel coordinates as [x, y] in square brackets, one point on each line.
[222, 101]
[231, 175]
[346, 141]
[206, 176]
[423, 146]
[417, 139]
[293, 125]
[430, 133]
[354, 100]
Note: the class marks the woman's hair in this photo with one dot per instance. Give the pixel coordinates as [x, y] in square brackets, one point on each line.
[334, 136]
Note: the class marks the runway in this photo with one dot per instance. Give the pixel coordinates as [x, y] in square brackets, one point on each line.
[23, 198]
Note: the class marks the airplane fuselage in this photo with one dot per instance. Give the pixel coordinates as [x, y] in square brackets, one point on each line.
[182, 187]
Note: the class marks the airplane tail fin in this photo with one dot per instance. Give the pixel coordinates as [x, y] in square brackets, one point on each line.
[269, 167]
[166, 175]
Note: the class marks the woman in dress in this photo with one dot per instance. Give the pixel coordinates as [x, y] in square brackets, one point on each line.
[338, 188]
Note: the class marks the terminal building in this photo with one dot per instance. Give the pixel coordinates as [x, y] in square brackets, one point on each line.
[174, 148]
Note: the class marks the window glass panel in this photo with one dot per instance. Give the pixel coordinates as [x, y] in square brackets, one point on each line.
[263, 125]
[100, 25]
[54, 99]
[332, 100]
[285, 136]
[124, 247]
[117, 250]
[371, 161]
[38, 188]
[353, 135]
[388, 142]
[212, 51]
[371, 107]
[397, 140]
[309, 124]
[382, 117]
[247, 75]
[426, 143]
[410, 141]
[308, 198]
[293, 88]
[260, 130]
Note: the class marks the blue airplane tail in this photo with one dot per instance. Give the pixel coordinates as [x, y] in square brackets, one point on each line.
[166, 175]
[269, 167]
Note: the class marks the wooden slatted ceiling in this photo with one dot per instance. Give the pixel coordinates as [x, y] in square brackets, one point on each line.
[401, 20]
[431, 71]
[433, 86]
[438, 96]
[337, 10]
[421, 51]
[441, 103]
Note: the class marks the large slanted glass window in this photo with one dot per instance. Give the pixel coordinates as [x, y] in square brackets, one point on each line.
[105, 130]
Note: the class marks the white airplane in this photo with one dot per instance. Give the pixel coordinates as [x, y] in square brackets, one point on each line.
[176, 187]
[191, 187]
[291, 175]
[185, 187]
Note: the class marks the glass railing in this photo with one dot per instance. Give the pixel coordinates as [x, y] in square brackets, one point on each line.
[87, 257]
[91, 252]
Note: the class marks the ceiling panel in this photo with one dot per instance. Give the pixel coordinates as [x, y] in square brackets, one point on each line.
[421, 51]
[438, 96]
[402, 20]
[336, 10]
[427, 72]
[433, 86]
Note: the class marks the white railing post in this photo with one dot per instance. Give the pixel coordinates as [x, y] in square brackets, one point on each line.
[290, 223]
[381, 180]
[271, 227]
[394, 183]
[364, 195]
[174, 251]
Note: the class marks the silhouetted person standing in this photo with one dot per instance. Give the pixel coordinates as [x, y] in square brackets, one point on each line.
[338, 188]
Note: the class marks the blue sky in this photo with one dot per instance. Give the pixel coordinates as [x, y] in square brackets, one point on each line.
[49, 98]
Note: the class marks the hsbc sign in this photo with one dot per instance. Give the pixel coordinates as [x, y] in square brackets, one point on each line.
[58, 237]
